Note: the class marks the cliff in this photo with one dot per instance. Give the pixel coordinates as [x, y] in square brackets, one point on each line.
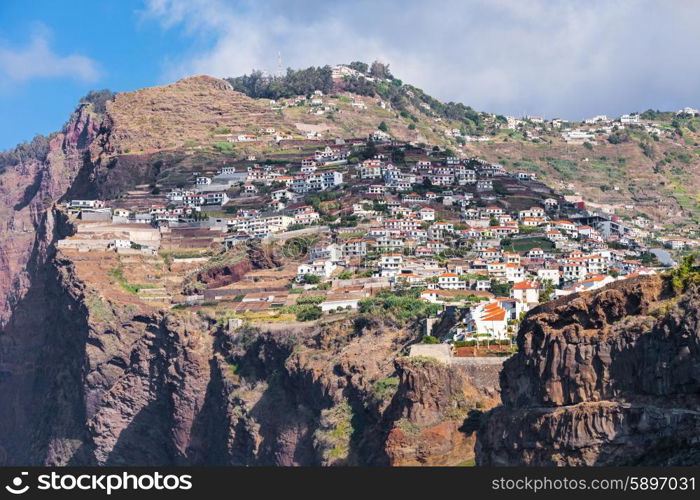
[603, 378]
[91, 375]
[104, 379]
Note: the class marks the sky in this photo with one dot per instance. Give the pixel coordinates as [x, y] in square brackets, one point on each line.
[556, 58]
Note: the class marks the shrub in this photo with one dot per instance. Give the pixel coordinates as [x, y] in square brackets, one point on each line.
[310, 279]
[309, 313]
[313, 300]
[385, 388]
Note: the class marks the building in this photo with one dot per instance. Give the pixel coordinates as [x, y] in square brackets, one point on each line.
[354, 248]
[451, 281]
[488, 319]
[321, 268]
[389, 265]
[86, 204]
[526, 292]
[426, 214]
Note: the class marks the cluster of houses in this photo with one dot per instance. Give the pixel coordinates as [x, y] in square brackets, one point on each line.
[441, 226]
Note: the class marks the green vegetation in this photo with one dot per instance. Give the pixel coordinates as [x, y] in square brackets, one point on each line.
[133, 288]
[527, 244]
[310, 279]
[472, 343]
[618, 137]
[184, 254]
[293, 83]
[408, 427]
[98, 99]
[334, 432]
[97, 307]
[685, 274]
[36, 149]
[568, 169]
[384, 389]
[500, 289]
[404, 306]
[309, 313]
[313, 300]
[547, 293]
[223, 147]
[429, 339]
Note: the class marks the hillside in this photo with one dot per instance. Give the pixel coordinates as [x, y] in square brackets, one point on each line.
[142, 324]
[655, 174]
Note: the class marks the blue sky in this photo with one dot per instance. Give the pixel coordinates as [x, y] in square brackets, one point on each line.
[566, 58]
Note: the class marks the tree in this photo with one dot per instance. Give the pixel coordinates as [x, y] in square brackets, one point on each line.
[383, 126]
[380, 70]
[546, 294]
[398, 155]
[359, 66]
[618, 137]
[684, 274]
[299, 82]
[309, 313]
[98, 99]
[310, 279]
[500, 289]
[370, 151]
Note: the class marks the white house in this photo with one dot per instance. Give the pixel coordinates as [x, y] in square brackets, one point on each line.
[526, 292]
[320, 268]
[389, 265]
[426, 214]
[451, 281]
[549, 275]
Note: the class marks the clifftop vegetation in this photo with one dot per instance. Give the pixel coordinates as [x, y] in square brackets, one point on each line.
[372, 80]
[293, 83]
[36, 149]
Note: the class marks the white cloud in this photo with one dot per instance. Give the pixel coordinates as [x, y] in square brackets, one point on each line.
[38, 60]
[566, 58]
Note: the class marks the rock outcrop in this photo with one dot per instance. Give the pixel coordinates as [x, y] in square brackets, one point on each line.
[91, 375]
[435, 411]
[602, 378]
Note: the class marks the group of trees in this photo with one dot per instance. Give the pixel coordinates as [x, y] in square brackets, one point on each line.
[98, 99]
[374, 80]
[293, 83]
[36, 149]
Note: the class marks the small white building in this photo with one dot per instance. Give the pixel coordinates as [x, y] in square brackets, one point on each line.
[321, 268]
[526, 292]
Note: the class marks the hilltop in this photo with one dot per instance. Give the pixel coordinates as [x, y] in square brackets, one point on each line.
[649, 167]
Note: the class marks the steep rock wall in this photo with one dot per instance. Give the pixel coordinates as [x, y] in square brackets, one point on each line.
[603, 378]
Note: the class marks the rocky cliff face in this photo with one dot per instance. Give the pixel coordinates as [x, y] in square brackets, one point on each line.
[435, 411]
[27, 190]
[604, 378]
[102, 379]
[90, 375]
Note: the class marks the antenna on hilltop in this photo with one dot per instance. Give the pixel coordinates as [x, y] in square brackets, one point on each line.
[279, 63]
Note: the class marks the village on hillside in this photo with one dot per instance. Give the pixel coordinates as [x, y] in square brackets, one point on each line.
[341, 225]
